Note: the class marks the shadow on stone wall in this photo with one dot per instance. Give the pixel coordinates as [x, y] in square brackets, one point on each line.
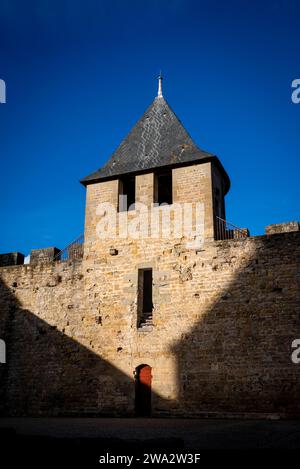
[48, 373]
[237, 358]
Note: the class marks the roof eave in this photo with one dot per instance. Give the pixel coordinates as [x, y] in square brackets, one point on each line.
[94, 177]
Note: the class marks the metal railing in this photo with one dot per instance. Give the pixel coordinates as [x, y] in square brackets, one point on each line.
[226, 230]
[73, 251]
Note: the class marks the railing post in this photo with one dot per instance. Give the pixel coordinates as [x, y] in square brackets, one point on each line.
[226, 230]
[73, 251]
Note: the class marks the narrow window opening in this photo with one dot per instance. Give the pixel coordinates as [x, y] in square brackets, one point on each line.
[145, 301]
[126, 194]
[163, 188]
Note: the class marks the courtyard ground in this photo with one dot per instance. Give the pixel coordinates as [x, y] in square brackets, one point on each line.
[180, 433]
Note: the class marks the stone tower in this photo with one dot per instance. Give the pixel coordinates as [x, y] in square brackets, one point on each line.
[157, 162]
[138, 278]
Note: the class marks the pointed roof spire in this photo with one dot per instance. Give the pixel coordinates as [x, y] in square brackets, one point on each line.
[160, 79]
[157, 140]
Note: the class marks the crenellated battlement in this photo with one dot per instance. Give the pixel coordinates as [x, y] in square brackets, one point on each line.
[51, 254]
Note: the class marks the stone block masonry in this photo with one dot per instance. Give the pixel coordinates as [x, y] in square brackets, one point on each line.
[224, 319]
[45, 255]
[282, 228]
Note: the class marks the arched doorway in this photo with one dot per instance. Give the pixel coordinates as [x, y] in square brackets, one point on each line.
[143, 380]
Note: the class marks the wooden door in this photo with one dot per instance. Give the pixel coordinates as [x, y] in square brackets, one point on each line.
[143, 391]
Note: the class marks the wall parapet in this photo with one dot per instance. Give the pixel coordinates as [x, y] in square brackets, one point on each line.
[11, 258]
[287, 227]
[40, 256]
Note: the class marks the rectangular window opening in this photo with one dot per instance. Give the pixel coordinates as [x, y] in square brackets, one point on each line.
[163, 188]
[145, 300]
[126, 193]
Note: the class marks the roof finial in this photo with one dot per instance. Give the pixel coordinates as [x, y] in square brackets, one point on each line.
[160, 79]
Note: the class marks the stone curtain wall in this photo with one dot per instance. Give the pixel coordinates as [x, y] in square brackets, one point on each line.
[224, 320]
[245, 315]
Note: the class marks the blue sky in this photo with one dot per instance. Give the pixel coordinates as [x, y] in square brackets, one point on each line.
[79, 74]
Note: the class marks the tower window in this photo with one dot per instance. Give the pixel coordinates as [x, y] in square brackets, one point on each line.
[126, 193]
[163, 188]
[145, 302]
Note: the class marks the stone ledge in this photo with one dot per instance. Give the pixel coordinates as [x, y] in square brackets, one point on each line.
[147, 328]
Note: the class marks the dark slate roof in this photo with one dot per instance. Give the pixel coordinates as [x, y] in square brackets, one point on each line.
[157, 140]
